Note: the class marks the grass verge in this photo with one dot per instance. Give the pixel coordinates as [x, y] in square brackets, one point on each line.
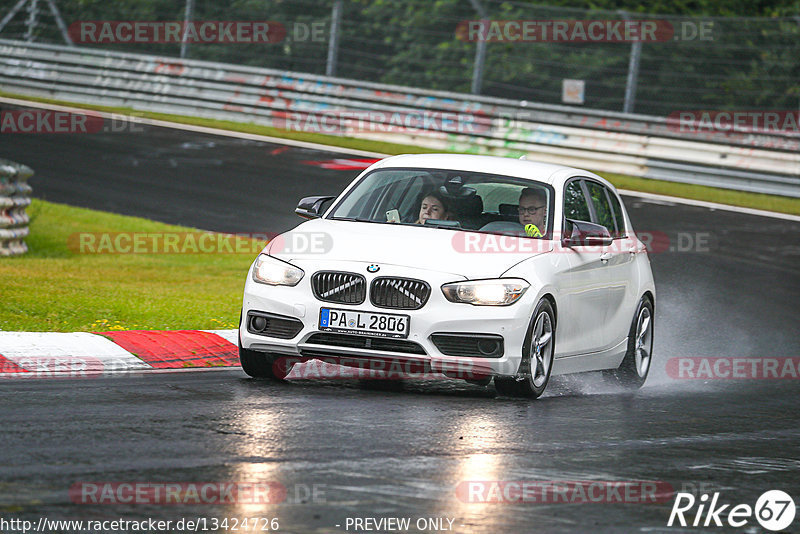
[694, 192]
[57, 289]
[709, 194]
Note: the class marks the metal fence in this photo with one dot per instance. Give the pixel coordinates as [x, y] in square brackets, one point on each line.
[629, 144]
[14, 198]
[717, 63]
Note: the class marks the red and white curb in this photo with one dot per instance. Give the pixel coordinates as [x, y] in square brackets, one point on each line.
[87, 355]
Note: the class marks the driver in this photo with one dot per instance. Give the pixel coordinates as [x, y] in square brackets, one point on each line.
[433, 206]
[533, 211]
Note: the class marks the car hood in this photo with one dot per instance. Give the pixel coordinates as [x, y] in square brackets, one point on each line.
[469, 254]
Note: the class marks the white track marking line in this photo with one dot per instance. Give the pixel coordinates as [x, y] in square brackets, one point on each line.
[230, 336]
[710, 205]
[199, 129]
[73, 353]
[339, 150]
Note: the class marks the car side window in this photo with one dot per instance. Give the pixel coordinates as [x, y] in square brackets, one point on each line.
[618, 217]
[602, 209]
[575, 206]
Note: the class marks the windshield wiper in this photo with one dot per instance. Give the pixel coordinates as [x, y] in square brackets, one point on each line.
[353, 219]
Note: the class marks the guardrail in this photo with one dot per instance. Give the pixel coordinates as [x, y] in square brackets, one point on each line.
[638, 145]
[14, 198]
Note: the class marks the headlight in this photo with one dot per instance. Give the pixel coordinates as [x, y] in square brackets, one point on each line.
[272, 271]
[498, 292]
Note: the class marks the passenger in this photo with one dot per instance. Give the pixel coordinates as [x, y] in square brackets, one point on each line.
[433, 206]
[533, 211]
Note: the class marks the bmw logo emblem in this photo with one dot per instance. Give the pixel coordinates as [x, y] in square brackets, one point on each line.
[373, 268]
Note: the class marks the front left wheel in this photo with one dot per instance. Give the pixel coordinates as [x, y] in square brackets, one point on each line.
[537, 359]
[632, 372]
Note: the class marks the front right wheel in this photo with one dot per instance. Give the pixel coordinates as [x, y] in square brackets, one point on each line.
[260, 364]
[264, 364]
[537, 357]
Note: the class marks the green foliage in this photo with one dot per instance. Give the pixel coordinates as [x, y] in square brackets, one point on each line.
[55, 288]
[751, 62]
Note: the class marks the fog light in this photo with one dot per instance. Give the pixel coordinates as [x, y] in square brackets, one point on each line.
[259, 323]
[488, 346]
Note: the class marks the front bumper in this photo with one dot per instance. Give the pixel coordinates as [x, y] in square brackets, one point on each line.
[438, 316]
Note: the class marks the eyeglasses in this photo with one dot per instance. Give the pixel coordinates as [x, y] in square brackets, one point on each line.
[531, 210]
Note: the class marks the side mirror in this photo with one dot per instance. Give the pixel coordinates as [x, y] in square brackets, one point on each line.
[585, 234]
[311, 207]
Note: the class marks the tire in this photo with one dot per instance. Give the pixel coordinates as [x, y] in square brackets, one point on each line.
[260, 364]
[264, 364]
[632, 372]
[537, 357]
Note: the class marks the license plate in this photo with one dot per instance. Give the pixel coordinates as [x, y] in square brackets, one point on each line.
[362, 322]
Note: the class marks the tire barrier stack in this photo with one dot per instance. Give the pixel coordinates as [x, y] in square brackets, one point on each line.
[15, 196]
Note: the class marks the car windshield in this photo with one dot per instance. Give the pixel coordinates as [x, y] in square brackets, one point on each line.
[450, 199]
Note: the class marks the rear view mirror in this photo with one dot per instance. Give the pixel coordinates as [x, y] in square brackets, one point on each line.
[312, 207]
[585, 234]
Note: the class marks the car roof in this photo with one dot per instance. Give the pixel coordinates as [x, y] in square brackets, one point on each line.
[548, 173]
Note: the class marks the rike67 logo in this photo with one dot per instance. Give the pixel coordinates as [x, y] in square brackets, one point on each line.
[774, 510]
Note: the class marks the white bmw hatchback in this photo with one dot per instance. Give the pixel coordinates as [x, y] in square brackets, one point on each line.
[470, 266]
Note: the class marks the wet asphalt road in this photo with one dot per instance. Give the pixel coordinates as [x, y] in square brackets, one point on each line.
[393, 454]
[733, 292]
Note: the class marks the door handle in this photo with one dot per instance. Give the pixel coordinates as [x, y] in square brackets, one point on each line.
[605, 256]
